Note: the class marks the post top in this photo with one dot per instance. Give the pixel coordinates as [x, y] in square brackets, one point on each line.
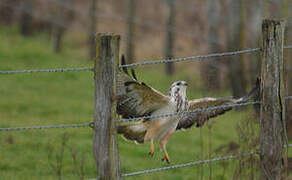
[273, 22]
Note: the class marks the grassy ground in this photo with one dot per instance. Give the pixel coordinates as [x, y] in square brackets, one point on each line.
[64, 98]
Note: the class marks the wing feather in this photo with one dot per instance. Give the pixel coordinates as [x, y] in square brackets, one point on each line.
[135, 98]
[199, 118]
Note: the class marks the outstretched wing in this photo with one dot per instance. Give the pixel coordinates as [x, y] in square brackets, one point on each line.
[199, 118]
[135, 98]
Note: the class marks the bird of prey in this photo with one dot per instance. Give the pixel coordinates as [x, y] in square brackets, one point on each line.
[137, 99]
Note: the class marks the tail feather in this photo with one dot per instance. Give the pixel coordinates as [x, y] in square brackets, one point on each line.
[133, 132]
[253, 92]
[123, 62]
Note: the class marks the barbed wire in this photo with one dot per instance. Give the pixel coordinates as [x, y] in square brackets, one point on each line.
[196, 163]
[287, 145]
[194, 111]
[47, 70]
[47, 127]
[136, 64]
[189, 111]
[190, 58]
[91, 124]
[199, 57]
[288, 47]
[191, 164]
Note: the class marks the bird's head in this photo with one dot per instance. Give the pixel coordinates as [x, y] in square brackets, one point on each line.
[178, 88]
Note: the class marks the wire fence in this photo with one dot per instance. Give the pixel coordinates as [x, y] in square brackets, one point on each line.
[91, 124]
[47, 70]
[47, 127]
[193, 163]
[148, 62]
[190, 111]
[193, 58]
[190, 58]
[288, 97]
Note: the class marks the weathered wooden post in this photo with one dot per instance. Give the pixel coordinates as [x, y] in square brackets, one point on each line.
[272, 99]
[105, 147]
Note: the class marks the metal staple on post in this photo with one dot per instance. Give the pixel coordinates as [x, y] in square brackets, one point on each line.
[288, 97]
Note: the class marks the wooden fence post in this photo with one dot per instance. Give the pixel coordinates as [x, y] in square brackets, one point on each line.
[105, 147]
[272, 99]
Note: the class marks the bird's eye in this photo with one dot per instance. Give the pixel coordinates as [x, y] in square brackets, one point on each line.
[178, 84]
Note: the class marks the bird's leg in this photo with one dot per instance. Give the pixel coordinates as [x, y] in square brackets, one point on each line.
[163, 143]
[151, 152]
[150, 135]
[165, 154]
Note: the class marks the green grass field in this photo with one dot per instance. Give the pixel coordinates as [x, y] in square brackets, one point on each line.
[65, 98]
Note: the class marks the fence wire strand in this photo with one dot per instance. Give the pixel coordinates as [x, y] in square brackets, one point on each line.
[47, 70]
[190, 164]
[190, 58]
[90, 124]
[199, 57]
[195, 163]
[288, 97]
[47, 127]
[129, 119]
[288, 47]
[135, 64]
[189, 111]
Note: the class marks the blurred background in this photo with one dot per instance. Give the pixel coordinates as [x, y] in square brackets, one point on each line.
[41, 34]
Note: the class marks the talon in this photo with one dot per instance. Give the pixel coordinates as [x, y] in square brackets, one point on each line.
[165, 158]
[151, 153]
